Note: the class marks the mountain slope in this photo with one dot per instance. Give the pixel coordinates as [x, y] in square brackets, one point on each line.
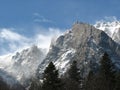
[22, 65]
[112, 28]
[83, 43]
[9, 82]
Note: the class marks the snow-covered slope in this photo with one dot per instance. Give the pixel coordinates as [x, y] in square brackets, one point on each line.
[112, 28]
[83, 43]
[22, 65]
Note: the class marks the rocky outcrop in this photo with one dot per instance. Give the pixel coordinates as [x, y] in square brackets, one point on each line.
[83, 43]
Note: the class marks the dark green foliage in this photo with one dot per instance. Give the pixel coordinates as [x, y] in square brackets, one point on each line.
[117, 86]
[73, 81]
[35, 85]
[74, 72]
[51, 80]
[104, 79]
[107, 67]
[70, 84]
[107, 73]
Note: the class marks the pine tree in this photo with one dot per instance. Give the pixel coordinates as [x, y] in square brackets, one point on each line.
[74, 72]
[74, 78]
[50, 78]
[106, 77]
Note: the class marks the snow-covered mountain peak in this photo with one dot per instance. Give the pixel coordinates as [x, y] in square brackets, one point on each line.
[22, 65]
[111, 27]
[83, 43]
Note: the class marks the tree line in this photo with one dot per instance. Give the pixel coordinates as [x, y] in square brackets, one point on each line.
[107, 78]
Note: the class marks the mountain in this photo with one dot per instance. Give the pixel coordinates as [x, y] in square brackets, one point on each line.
[22, 65]
[112, 28]
[83, 43]
[7, 82]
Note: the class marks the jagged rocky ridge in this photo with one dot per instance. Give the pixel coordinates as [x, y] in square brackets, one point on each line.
[83, 43]
[21, 66]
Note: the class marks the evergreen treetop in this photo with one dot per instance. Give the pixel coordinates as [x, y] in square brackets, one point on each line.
[74, 72]
[51, 80]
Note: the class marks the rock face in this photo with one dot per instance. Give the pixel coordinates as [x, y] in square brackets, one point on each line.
[116, 36]
[83, 43]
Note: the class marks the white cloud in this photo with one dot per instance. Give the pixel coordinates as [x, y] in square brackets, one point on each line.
[37, 14]
[39, 18]
[44, 41]
[11, 41]
[43, 20]
[8, 34]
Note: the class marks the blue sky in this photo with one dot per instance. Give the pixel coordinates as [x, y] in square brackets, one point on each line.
[26, 18]
[58, 13]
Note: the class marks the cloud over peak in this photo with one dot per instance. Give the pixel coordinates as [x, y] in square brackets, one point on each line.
[11, 41]
[8, 34]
